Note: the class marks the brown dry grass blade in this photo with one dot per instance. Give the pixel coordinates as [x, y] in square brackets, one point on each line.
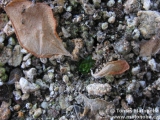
[112, 68]
[35, 28]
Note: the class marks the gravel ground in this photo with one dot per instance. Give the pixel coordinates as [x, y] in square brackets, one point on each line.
[94, 84]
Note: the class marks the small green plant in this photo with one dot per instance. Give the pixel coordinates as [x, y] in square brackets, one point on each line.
[86, 64]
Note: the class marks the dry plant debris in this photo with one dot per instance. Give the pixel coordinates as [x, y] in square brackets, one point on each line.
[95, 105]
[35, 28]
[150, 47]
[78, 45]
[112, 68]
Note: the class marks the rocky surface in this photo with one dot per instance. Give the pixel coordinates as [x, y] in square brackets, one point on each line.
[95, 32]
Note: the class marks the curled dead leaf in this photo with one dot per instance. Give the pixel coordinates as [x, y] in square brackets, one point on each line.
[112, 68]
[35, 28]
[150, 47]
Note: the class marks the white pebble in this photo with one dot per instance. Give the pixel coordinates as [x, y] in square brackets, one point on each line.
[104, 26]
[43, 60]
[98, 89]
[66, 34]
[65, 79]
[26, 57]
[129, 99]
[136, 34]
[24, 51]
[111, 19]
[152, 63]
[96, 1]
[31, 73]
[1, 83]
[47, 98]
[2, 37]
[26, 86]
[51, 87]
[37, 113]
[17, 94]
[44, 105]
[28, 105]
[110, 3]
[135, 70]
[146, 4]
[52, 94]
[17, 85]
[28, 62]
[23, 65]
[42, 84]
[25, 96]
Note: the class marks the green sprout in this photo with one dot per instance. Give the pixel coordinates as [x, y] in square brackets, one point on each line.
[86, 64]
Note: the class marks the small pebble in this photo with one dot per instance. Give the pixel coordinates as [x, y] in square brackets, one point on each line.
[111, 19]
[88, 8]
[25, 96]
[28, 63]
[31, 73]
[16, 57]
[27, 87]
[65, 79]
[69, 9]
[37, 113]
[17, 94]
[104, 26]
[110, 3]
[44, 105]
[16, 107]
[2, 37]
[129, 99]
[66, 34]
[47, 97]
[24, 51]
[43, 60]
[26, 57]
[152, 63]
[11, 41]
[98, 89]
[5, 112]
[135, 70]
[42, 84]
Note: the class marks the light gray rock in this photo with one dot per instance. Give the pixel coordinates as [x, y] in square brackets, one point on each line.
[27, 87]
[16, 57]
[98, 89]
[30, 74]
[149, 21]
[44, 105]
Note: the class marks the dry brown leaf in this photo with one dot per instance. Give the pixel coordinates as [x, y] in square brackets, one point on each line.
[35, 28]
[150, 47]
[112, 68]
